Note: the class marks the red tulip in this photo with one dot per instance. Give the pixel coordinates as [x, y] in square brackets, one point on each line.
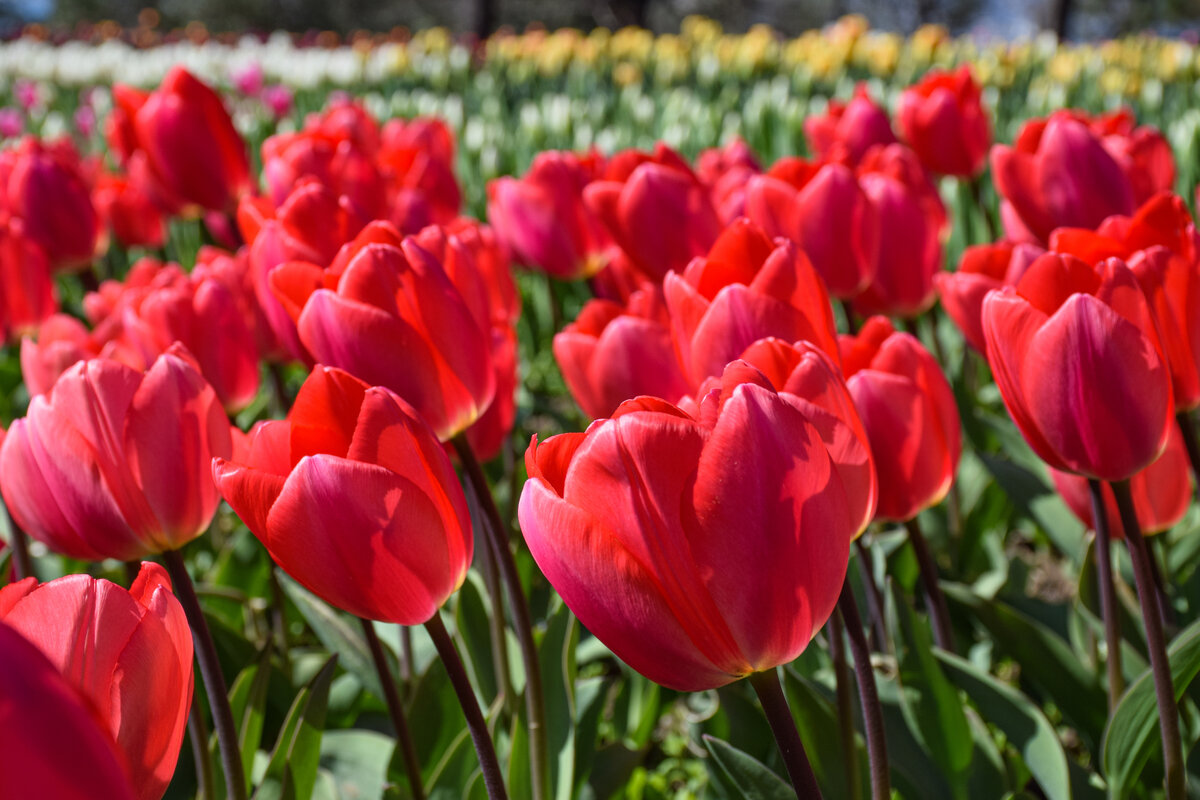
[1078, 361]
[354, 498]
[27, 292]
[726, 171]
[39, 712]
[908, 410]
[339, 166]
[942, 118]
[196, 156]
[427, 134]
[911, 223]
[851, 127]
[612, 353]
[113, 463]
[747, 288]
[45, 188]
[699, 550]
[1143, 153]
[386, 312]
[129, 211]
[807, 372]
[1058, 174]
[62, 341]
[1162, 492]
[128, 652]
[1159, 243]
[416, 159]
[660, 214]
[823, 208]
[543, 219]
[983, 267]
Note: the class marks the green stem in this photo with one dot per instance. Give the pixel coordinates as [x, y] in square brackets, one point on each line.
[396, 710]
[1108, 595]
[495, 533]
[1164, 689]
[976, 184]
[779, 717]
[874, 597]
[493, 779]
[845, 704]
[868, 696]
[22, 563]
[210, 673]
[943, 634]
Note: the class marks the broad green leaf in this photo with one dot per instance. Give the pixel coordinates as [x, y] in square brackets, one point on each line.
[292, 770]
[914, 773]
[743, 776]
[557, 660]
[817, 720]
[472, 616]
[248, 702]
[930, 701]
[1132, 733]
[358, 762]
[1047, 661]
[1024, 725]
[340, 633]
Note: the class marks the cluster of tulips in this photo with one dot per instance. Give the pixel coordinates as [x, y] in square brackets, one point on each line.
[702, 528]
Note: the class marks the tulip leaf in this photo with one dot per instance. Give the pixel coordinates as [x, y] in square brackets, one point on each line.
[743, 776]
[1047, 661]
[557, 660]
[1132, 734]
[340, 633]
[358, 762]
[292, 771]
[520, 782]
[913, 770]
[248, 701]
[1022, 723]
[471, 617]
[817, 720]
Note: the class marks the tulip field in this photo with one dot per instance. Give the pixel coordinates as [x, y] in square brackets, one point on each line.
[598, 415]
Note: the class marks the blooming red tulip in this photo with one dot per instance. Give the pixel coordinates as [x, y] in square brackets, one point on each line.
[45, 188]
[113, 463]
[983, 267]
[823, 208]
[698, 549]
[62, 340]
[660, 215]
[1162, 492]
[911, 222]
[39, 712]
[1057, 174]
[386, 312]
[196, 156]
[908, 410]
[543, 219]
[612, 353]
[852, 127]
[129, 211]
[1143, 153]
[128, 652]
[338, 165]
[726, 171]
[1076, 355]
[27, 292]
[354, 498]
[747, 288]
[942, 118]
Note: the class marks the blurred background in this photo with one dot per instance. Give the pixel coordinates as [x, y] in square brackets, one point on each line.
[1074, 19]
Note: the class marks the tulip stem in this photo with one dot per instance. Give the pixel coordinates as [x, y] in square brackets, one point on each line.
[943, 634]
[845, 705]
[406, 658]
[497, 541]
[976, 184]
[851, 322]
[874, 597]
[492, 777]
[210, 673]
[1187, 429]
[396, 710]
[1108, 595]
[198, 733]
[22, 563]
[787, 737]
[1164, 690]
[868, 696]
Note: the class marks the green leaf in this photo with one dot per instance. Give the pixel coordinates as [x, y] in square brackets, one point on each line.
[557, 659]
[1047, 661]
[340, 634]
[1024, 725]
[930, 701]
[248, 702]
[1132, 733]
[292, 771]
[743, 776]
[817, 721]
[358, 762]
[471, 617]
